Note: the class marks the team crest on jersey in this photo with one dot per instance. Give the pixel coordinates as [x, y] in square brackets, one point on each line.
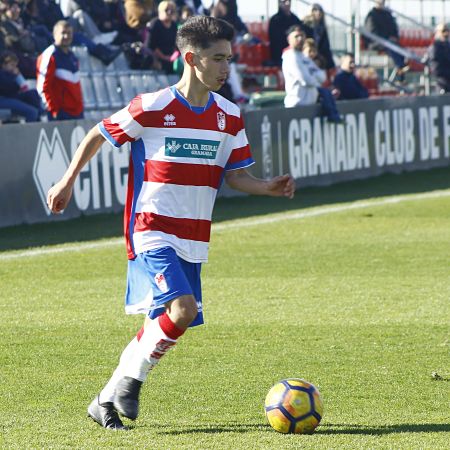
[221, 122]
[169, 120]
[160, 281]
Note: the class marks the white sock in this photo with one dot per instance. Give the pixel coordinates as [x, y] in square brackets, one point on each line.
[153, 344]
[107, 393]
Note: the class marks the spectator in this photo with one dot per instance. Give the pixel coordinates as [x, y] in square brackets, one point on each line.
[347, 86]
[303, 79]
[316, 21]
[138, 12]
[185, 13]
[86, 16]
[382, 23]
[17, 38]
[195, 5]
[14, 92]
[58, 77]
[439, 57]
[278, 26]
[163, 31]
[227, 10]
[40, 16]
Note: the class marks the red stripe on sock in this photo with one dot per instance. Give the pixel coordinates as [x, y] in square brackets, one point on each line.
[169, 328]
[140, 333]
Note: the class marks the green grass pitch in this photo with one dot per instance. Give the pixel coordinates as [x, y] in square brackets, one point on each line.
[339, 286]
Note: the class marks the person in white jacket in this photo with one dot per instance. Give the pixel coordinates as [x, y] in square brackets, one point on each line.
[303, 78]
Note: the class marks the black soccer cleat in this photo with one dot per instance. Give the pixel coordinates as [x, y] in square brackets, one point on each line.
[105, 415]
[126, 398]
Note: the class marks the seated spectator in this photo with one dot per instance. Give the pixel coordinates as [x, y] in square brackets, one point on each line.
[316, 21]
[163, 31]
[439, 57]
[227, 10]
[138, 12]
[382, 23]
[303, 79]
[185, 13]
[58, 77]
[14, 92]
[347, 86]
[17, 38]
[40, 16]
[278, 26]
[86, 17]
[195, 5]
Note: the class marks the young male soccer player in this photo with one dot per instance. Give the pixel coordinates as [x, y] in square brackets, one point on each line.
[184, 140]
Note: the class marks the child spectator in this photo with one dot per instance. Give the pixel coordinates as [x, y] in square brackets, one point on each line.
[316, 21]
[14, 92]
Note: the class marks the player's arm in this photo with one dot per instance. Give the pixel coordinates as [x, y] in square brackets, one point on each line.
[242, 180]
[59, 195]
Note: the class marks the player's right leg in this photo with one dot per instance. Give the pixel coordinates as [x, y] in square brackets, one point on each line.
[176, 290]
[160, 335]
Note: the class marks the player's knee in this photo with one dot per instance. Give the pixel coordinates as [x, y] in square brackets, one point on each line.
[183, 310]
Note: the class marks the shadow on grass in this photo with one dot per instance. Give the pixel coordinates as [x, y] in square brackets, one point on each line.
[218, 428]
[110, 225]
[323, 429]
[331, 428]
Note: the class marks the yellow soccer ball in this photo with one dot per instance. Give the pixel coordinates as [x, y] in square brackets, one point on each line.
[294, 405]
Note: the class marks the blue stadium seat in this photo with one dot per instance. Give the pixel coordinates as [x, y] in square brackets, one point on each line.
[89, 97]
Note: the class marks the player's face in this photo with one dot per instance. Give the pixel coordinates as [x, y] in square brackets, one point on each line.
[213, 64]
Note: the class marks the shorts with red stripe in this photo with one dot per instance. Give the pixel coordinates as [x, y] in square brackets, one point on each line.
[158, 276]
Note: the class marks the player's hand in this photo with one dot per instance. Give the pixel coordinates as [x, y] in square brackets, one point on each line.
[58, 197]
[282, 186]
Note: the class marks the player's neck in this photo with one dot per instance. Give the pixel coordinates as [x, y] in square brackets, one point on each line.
[195, 92]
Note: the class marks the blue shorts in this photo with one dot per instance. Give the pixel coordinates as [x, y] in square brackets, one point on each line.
[156, 277]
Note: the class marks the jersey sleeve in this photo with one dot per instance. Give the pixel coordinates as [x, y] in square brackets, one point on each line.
[124, 125]
[46, 68]
[241, 155]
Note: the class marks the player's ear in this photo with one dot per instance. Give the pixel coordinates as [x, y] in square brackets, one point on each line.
[189, 58]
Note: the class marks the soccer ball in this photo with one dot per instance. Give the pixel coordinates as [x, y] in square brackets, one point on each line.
[294, 406]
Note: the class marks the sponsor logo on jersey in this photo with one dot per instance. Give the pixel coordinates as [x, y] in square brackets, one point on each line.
[160, 281]
[221, 122]
[191, 148]
[169, 120]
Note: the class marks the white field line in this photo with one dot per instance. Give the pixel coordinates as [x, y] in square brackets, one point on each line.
[232, 225]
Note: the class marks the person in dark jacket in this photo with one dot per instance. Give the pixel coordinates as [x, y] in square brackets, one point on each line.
[439, 57]
[345, 82]
[163, 31]
[316, 21]
[14, 92]
[381, 22]
[278, 26]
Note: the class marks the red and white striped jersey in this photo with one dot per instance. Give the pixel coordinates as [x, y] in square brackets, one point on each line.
[179, 155]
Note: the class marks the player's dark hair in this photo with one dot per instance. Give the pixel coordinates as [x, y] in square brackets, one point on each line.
[199, 32]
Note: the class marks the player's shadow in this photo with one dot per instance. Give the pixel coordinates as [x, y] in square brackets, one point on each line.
[331, 428]
[217, 428]
[328, 428]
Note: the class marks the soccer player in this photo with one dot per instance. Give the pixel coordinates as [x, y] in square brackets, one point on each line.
[185, 140]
